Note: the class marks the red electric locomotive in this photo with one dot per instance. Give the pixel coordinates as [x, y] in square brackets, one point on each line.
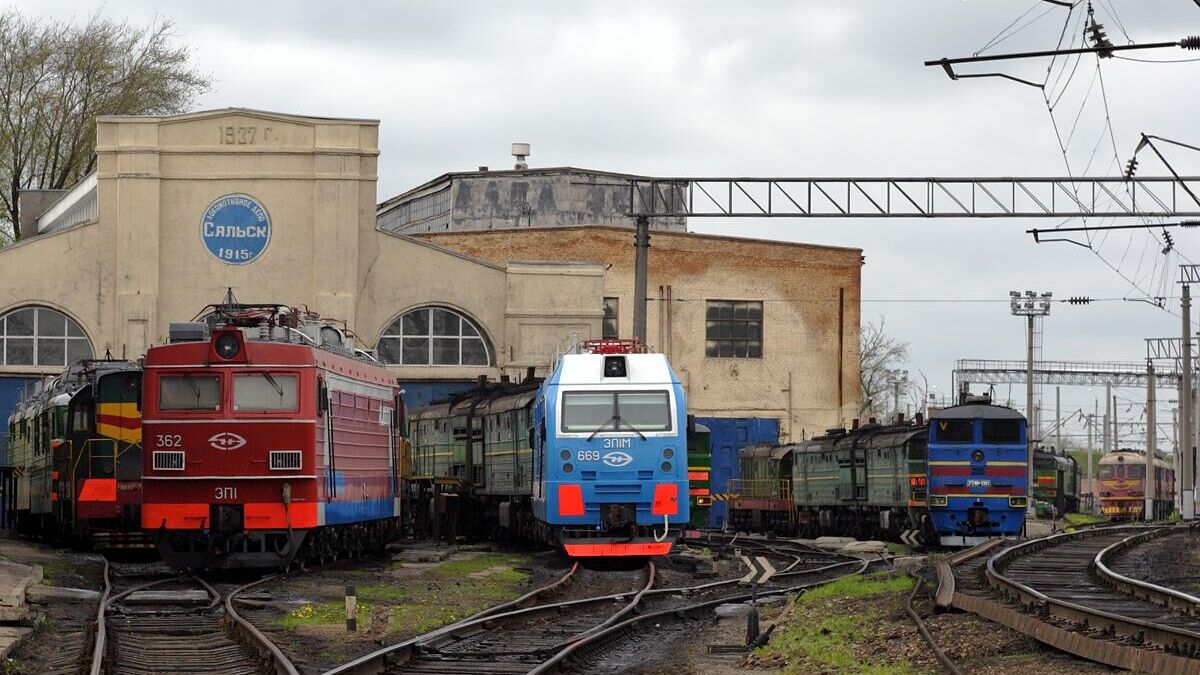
[268, 438]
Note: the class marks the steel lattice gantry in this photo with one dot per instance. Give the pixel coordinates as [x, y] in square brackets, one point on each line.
[1083, 373]
[912, 197]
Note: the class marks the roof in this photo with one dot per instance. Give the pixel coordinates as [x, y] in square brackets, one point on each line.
[586, 369]
[972, 411]
[444, 180]
[252, 112]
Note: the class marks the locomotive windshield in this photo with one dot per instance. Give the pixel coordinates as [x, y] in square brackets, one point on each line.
[1108, 472]
[592, 411]
[955, 431]
[1001, 431]
[1136, 471]
[264, 391]
[189, 392]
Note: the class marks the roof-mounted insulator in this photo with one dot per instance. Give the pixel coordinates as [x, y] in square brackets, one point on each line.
[1099, 39]
[1190, 42]
[1131, 167]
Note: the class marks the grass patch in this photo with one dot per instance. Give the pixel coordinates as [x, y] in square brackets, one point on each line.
[1077, 519]
[322, 614]
[479, 563]
[416, 618]
[824, 634]
[858, 586]
[53, 571]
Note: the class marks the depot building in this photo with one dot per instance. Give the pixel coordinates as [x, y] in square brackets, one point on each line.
[478, 273]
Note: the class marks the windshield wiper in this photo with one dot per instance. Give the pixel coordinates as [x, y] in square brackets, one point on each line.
[278, 389]
[195, 390]
[617, 421]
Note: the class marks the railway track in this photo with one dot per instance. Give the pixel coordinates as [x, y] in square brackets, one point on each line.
[573, 634]
[179, 624]
[1065, 591]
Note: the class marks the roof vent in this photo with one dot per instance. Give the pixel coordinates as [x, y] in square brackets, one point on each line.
[482, 169]
[520, 151]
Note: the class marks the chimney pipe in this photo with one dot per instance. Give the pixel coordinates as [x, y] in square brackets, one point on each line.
[871, 420]
[899, 418]
[920, 419]
[854, 423]
[481, 382]
[504, 379]
[530, 373]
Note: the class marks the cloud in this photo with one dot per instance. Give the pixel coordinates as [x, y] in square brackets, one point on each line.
[770, 88]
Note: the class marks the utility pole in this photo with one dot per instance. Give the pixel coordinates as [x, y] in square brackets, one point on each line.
[1187, 506]
[641, 265]
[1116, 432]
[1091, 425]
[1031, 305]
[1151, 441]
[897, 378]
[1058, 421]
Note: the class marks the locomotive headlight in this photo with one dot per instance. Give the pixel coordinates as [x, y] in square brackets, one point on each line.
[568, 468]
[668, 453]
[666, 466]
[1017, 502]
[938, 500]
[977, 455]
[565, 454]
[228, 346]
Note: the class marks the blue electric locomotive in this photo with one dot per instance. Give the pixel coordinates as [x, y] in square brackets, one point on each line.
[978, 473]
[594, 459]
[610, 452]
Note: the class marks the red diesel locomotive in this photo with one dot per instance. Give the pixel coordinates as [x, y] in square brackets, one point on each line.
[268, 439]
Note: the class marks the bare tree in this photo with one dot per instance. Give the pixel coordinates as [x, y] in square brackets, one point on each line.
[880, 355]
[55, 78]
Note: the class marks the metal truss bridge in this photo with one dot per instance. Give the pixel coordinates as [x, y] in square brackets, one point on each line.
[957, 197]
[1083, 373]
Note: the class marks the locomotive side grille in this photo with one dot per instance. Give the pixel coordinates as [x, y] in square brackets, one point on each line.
[168, 460]
[285, 460]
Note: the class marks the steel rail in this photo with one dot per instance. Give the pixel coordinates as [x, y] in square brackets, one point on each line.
[278, 660]
[1170, 638]
[378, 659]
[631, 605]
[1141, 589]
[555, 663]
[99, 647]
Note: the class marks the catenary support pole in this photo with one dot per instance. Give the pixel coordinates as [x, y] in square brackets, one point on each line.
[1188, 505]
[1151, 442]
[641, 264]
[1058, 421]
[1029, 413]
[1091, 448]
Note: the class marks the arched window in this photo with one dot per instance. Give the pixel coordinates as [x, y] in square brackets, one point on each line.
[434, 336]
[40, 336]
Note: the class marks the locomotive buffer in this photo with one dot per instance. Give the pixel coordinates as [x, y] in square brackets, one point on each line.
[760, 571]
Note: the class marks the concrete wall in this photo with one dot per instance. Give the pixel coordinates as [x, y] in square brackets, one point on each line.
[808, 376]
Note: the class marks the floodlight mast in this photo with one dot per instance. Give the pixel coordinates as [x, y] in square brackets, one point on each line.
[1031, 305]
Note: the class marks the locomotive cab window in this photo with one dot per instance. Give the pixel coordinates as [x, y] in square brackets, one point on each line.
[1136, 471]
[189, 392]
[615, 412]
[1001, 431]
[955, 431]
[1107, 472]
[264, 392]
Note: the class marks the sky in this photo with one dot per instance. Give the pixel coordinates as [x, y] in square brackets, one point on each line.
[797, 88]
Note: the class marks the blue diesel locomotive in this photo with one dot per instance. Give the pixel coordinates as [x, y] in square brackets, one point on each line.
[978, 473]
[593, 460]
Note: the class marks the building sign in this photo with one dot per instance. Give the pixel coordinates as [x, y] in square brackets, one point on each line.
[236, 229]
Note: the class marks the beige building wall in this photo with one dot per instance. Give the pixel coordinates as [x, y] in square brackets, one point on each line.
[808, 375]
[142, 263]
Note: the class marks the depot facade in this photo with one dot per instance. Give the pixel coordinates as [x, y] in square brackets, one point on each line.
[283, 208]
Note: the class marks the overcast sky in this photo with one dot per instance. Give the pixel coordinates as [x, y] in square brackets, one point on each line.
[820, 87]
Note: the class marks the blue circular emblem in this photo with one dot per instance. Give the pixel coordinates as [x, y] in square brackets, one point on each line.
[236, 229]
